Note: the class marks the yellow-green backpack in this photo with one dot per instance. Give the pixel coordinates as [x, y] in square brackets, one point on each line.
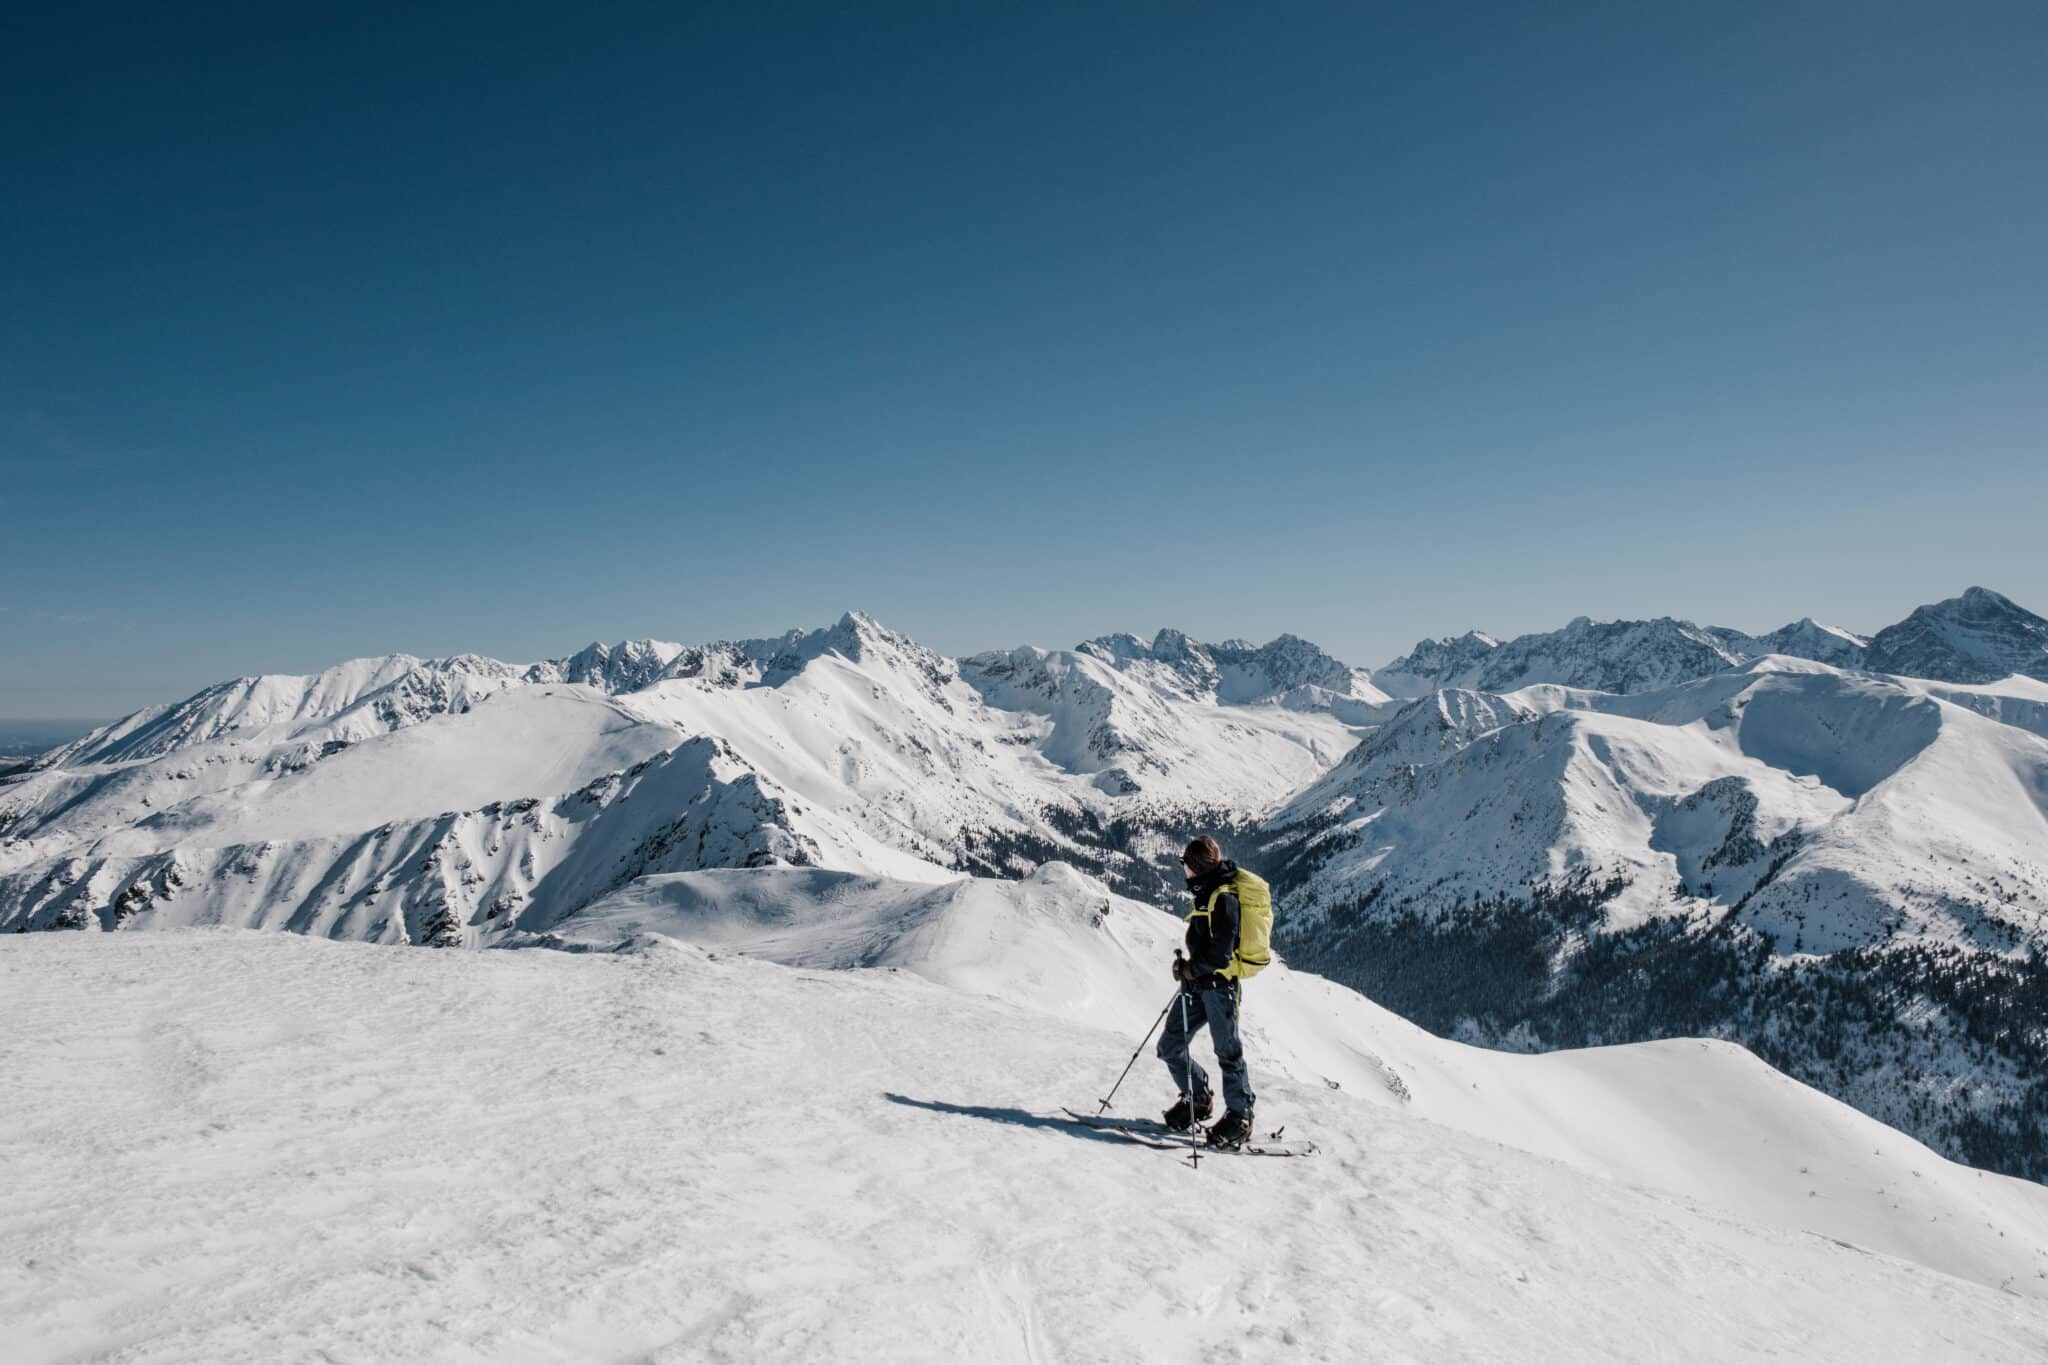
[1254, 923]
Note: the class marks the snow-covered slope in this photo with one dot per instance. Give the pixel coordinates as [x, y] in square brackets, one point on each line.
[1606, 656]
[1807, 638]
[348, 702]
[1785, 841]
[1147, 732]
[325, 805]
[365, 697]
[1686, 792]
[1612, 831]
[672, 1153]
[1437, 663]
[1289, 670]
[1703, 1119]
[1978, 637]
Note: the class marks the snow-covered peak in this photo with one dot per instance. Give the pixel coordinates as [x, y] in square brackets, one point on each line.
[857, 638]
[1146, 727]
[1433, 661]
[625, 667]
[1540, 781]
[1604, 656]
[1445, 721]
[1608, 656]
[1256, 672]
[1807, 638]
[1288, 670]
[1174, 646]
[1979, 637]
[1119, 648]
[634, 665]
[1124, 647]
[360, 697]
[390, 690]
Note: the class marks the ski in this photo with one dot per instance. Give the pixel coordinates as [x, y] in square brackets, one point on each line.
[1152, 1133]
[1262, 1147]
[1114, 1124]
[1142, 1132]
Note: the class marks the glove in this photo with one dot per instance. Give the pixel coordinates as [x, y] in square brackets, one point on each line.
[1183, 970]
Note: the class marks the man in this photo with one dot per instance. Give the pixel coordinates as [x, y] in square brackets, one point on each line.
[1211, 979]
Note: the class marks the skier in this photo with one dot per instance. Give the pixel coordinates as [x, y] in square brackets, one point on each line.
[1228, 932]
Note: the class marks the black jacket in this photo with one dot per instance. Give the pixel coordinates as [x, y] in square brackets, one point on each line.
[1212, 938]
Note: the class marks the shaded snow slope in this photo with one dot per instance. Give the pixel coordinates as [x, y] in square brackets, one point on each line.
[256, 1148]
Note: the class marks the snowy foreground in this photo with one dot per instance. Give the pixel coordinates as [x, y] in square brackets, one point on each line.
[803, 1115]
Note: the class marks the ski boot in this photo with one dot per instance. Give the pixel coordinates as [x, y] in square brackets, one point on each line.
[1232, 1130]
[1180, 1118]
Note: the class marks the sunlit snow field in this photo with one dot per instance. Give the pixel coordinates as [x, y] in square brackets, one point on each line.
[227, 1146]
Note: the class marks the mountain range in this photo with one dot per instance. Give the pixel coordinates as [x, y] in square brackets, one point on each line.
[1978, 637]
[1831, 849]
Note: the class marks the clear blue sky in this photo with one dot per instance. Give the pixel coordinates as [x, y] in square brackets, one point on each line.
[326, 331]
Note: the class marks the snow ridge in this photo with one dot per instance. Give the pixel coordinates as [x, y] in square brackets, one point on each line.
[1289, 669]
[301, 1148]
[1978, 637]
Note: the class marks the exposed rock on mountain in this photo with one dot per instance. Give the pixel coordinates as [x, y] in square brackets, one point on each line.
[1288, 670]
[1611, 656]
[1979, 637]
[1807, 638]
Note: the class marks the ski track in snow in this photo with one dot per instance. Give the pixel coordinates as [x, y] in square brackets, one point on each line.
[235, 1146]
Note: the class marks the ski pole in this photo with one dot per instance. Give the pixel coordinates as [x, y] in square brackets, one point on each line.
[1188, 1095]
[1134, 1056]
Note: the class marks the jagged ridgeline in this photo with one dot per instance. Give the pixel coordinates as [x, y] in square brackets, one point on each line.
[460, 800]
[1828, 847]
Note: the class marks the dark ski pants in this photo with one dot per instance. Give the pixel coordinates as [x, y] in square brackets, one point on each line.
[1217, 1009]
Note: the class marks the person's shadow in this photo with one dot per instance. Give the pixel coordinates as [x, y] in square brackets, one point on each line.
[1022, 1118]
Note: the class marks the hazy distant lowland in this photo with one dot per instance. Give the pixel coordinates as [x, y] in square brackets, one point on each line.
[21, 739]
